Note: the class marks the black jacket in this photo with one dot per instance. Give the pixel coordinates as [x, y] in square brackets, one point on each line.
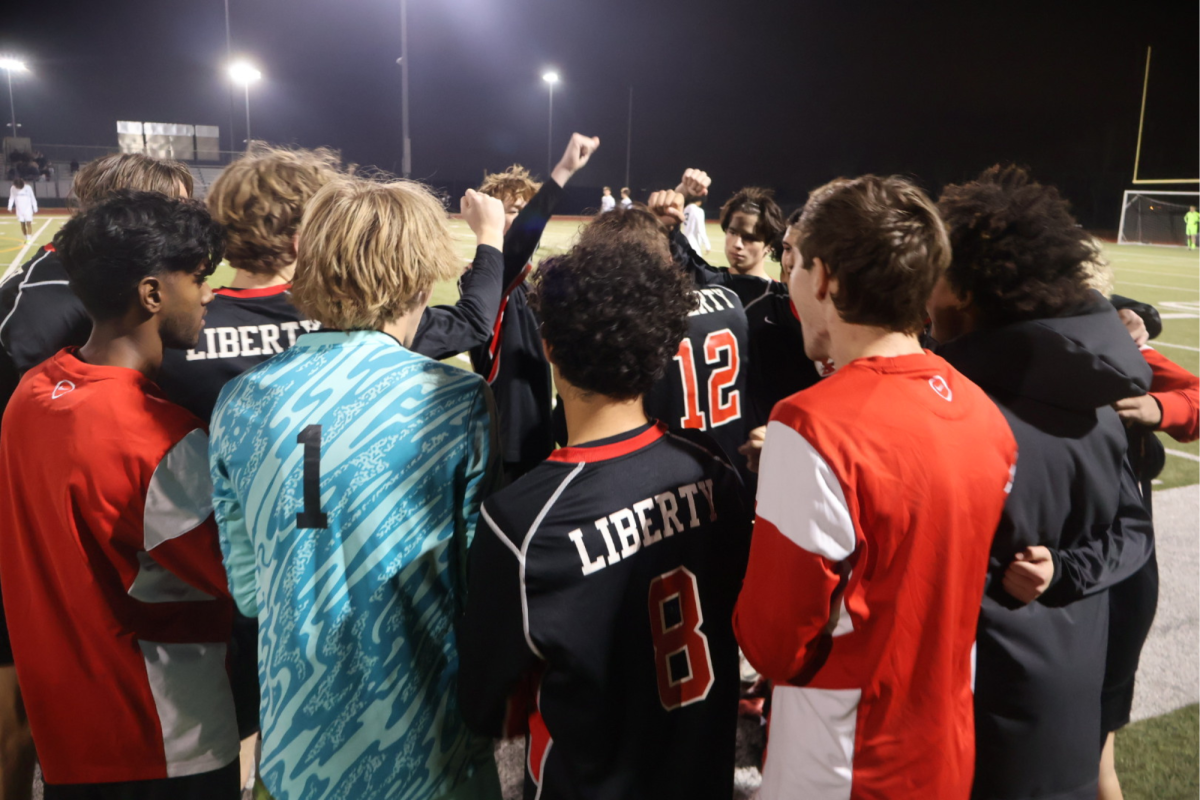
[1040, 667]
[39, 315]
[513, 361]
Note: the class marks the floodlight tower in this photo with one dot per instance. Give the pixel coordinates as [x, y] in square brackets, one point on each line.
[245, 73]
[11, 65]
[551, 78]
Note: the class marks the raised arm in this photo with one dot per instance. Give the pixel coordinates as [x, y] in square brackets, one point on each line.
[446, 330]
[522, 239]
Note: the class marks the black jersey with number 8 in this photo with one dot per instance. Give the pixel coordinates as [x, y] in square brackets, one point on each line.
[601, 587]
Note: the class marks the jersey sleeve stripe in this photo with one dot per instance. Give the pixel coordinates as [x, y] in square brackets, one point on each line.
[180, 494]
[801, 496]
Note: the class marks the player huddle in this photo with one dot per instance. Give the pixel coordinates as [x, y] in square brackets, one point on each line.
[895, 484]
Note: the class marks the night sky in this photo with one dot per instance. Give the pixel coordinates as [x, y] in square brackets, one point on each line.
[785, 94]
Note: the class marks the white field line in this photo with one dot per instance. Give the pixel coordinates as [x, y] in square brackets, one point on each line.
[1158, 272]
[463, 357]
[1156, 286]
[1181, 454]
[20, 259]
[1158, 344]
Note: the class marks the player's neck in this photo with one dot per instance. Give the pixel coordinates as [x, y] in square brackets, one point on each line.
[850, 342]
[116, 344]
[242, 279]
[758, 271]
[591, 417]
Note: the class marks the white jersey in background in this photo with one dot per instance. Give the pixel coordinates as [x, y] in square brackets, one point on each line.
[694, 228]
[25, 202]
[607, 203]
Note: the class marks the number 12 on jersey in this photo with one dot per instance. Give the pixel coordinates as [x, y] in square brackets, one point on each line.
[721, 409]
[681, 655]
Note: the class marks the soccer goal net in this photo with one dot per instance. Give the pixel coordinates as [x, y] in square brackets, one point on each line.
[1155, 217]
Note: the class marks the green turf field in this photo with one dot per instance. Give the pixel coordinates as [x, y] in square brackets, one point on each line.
[1157, 758]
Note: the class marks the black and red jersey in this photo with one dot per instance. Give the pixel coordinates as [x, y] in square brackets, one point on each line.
[512, 360]
[601, 587]
[705, 385]
[776, 339]
[242, 328]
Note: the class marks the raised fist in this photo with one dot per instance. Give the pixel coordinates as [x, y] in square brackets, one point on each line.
[578, 151]
[485, 216]
[695, 183]
[667, 205]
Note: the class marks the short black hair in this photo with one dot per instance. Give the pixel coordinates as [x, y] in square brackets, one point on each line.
[109, 248]
[613, 314]
[1015, 247]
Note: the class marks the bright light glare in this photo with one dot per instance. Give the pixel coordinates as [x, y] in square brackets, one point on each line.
[550, 77]
[13, 65]
[243, 73]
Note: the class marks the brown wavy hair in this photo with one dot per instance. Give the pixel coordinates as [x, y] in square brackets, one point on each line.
[1017, 251]
[883, 240]
[260, 199]
[367, 250]
[98, 180]
[514, 183]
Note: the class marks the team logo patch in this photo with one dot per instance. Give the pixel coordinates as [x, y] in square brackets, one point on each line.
[62, 388]
[939, 385]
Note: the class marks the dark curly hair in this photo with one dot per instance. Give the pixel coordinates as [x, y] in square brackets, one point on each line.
[109, 248]
[1016, 249]
[770, 225]
[613, 314]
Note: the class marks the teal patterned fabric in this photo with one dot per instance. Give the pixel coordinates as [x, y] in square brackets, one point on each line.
[356, 651]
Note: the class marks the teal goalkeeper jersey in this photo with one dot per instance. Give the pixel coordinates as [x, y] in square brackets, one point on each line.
[348, 474]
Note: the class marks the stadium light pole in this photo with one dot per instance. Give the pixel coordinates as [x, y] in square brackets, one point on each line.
[11, 65]
[551, 78]
[406, 152]
[245, 74]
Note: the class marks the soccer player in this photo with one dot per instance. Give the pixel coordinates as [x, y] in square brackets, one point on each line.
[39, 315]
[605, 578]
[348, 473]
[777, 368]
[512, 360]
[705, 385]
[1191, 221]
[113, 585]
[626, 201]
[23, 198]
[693, 226]
[607, 201]
[1014, 312]
[879, 491]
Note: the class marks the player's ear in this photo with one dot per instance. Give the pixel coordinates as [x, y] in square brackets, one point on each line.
[825, 284]
[295, 244]
[547, 352]
[150, 294]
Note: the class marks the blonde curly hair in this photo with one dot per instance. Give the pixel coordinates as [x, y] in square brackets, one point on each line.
[260, 199]
[368, 250]
[514, 183]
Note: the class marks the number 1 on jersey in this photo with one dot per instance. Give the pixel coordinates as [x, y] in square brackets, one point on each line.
[311, 516]
[681, 655]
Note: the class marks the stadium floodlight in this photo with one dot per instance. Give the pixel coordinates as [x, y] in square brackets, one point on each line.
[550, 77]
[11, 65]
[245, 73]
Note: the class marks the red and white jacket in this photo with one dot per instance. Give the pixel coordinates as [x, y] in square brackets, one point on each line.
[880, 491]
[1178, 394]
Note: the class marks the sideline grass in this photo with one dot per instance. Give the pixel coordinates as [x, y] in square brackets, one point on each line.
[1157, 758]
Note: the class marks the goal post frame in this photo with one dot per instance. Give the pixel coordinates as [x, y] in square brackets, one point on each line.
[1126, 202]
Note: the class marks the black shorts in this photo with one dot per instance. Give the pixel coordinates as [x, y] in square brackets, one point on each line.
[243, 673]
[220, 784]
[1131, 607]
